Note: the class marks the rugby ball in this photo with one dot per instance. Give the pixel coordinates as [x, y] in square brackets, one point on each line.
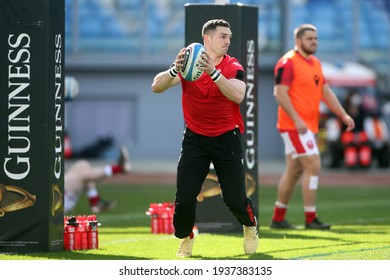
[190, 70]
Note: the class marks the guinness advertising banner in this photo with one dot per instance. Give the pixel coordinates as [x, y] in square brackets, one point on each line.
[212, 213]
[31, 125]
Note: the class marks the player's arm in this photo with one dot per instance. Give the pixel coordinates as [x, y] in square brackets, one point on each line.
[168, 78]
[234, 89]
[284, 76]
[163, 81]
[334, 105]
[283, 99]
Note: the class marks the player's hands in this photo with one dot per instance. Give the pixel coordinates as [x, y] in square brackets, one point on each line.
[300, 126]
[206, 64]
[349, 122]
[179, 59]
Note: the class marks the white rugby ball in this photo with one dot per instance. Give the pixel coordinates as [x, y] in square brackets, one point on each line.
[190, 70]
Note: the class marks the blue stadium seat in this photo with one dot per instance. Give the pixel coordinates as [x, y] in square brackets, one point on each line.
[162, 20]
[113, 29]
[365, 41]
[90, 28]
[299, 15]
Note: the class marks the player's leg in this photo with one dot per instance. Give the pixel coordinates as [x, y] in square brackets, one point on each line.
[193, 166]
[310, 180]
[285, 189]
[70, 201]
[98, 173]
[312, 167]
[96, 203]
[231, 176]
[292, 173]
[229, 167]
[85, 172]
[92, 175]
[191, 173]
[290, 177]
[228, 164]
[74, 185]
[311, 162]
[81, 176]
[74, 179]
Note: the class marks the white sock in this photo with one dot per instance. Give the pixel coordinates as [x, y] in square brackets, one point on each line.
[280, 205]
[108, 170]
[92, 193]
[309, 209]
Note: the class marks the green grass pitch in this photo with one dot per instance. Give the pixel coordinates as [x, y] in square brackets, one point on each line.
[360, 231]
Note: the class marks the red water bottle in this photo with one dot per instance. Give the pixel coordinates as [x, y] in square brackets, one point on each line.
[70, 233]
[92, 232]
[171, 210]
[81, 230]
[78, 237]
[164, 220]
[160, 219]
[152, 212]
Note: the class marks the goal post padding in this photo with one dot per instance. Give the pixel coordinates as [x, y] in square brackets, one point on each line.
[31, 125]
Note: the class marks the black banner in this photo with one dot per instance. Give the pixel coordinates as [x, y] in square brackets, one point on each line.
[212, 213]
[31, 125]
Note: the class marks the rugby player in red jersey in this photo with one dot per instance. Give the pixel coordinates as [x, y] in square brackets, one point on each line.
[213, 127]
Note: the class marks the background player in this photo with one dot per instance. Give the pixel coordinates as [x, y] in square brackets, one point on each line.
[82, 176]
[299, 87]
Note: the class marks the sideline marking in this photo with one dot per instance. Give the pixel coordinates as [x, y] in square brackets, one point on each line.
[341, 252]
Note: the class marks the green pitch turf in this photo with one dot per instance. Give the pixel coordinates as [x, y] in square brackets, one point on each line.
[360, 231]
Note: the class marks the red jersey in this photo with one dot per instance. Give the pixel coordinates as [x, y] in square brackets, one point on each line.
[305, 80]
[206, 110]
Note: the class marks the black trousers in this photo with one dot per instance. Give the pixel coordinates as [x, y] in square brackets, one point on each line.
[225, 152]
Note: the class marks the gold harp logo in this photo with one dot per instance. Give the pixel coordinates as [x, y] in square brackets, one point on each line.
[57, 199]
[14, 198]
[211, 186]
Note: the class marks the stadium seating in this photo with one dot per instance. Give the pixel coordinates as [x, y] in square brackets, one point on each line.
[111, 26]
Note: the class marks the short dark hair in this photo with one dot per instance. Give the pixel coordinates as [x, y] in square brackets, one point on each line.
[212, 25]
[300, 30]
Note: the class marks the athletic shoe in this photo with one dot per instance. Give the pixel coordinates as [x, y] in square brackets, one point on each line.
[317, 224]
[281, 225]
[185, 248]
[251, 239]
[124, 161]
[103, 205]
